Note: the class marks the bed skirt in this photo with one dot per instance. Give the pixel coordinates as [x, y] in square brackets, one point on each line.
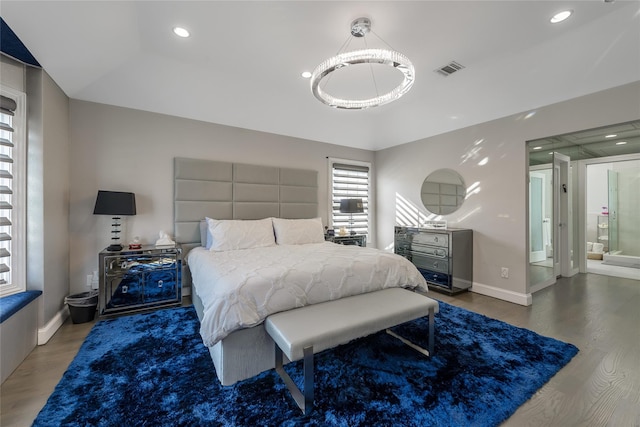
[242, 354]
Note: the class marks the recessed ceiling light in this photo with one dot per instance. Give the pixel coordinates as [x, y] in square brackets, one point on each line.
[613, 135]
[306, 74]
[561, 16]
[181, 32]
[621, 143]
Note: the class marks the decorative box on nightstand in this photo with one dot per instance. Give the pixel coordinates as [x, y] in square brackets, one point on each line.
[354, 239]
[141, 279]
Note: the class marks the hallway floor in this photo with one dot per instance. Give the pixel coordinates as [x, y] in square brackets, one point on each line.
[597, 267]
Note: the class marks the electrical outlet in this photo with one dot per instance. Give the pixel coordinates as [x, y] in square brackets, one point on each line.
[95, 280]
[89, 279]
[504, 273]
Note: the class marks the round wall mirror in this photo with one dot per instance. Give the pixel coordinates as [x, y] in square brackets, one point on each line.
[443, 191]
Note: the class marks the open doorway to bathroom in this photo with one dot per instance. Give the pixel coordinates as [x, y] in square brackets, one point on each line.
[551, 221]
[604, 172]
[613, 209]
[541, 265]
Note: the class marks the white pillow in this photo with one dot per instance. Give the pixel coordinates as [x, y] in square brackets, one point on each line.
[230, 234]
[298, 231]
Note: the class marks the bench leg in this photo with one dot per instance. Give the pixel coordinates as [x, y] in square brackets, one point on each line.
[432, 322]
[304, 400]
[431, 338]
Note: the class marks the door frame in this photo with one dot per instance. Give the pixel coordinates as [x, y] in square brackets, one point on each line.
[537, 256]
[562, 244]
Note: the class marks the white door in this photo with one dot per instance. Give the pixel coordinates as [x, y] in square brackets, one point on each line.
[561, 229]
[536, 217]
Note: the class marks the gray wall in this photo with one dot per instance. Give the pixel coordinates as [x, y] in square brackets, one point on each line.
[492, 157]
[12, 73]
[48, 192]
[121, 149]
[47, 185]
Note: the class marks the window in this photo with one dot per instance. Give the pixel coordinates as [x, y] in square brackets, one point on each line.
[12, 191]
[349, 180]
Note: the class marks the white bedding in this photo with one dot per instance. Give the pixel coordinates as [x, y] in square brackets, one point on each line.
[240, 288]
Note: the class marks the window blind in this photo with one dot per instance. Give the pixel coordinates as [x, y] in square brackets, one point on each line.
[350, 181]
[8, 140]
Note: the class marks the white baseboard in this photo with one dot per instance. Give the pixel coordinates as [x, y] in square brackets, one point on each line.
[503, 294]
[45, 333]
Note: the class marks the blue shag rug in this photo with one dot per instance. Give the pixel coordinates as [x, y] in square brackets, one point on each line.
[153, 370]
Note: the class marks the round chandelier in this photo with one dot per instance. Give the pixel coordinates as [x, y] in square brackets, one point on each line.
[359, 28]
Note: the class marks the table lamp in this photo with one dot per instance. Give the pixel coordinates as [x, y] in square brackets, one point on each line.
[351, 206]
[116, 204]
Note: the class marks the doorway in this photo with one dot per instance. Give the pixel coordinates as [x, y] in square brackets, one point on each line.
[539, 223]
[612, 209]
[615, 142]
[541, 264]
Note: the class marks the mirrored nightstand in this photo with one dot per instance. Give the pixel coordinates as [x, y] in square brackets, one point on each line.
[356, 239]
[142, 279]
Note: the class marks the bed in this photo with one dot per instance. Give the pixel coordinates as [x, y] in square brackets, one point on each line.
[253, 247]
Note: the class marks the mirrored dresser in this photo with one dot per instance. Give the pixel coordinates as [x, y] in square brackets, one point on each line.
[443, 256]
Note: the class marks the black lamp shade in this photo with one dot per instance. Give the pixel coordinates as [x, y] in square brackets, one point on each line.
[115, 203]
[351, 206]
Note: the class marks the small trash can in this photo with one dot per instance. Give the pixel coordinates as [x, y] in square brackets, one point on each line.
[82, 306]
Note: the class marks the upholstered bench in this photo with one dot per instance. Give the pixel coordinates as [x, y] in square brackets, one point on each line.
[11, 304]
[301, 332]
[18, 329]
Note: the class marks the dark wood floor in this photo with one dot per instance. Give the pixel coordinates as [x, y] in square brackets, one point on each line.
[601, 316]
[599, 387]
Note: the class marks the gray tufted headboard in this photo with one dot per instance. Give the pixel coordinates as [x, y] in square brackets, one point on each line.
[222, 190]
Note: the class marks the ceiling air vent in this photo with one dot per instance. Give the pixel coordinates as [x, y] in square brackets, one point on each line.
[449, 69]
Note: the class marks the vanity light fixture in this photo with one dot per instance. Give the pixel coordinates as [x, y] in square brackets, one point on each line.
[561, 16]
[359, 29]
[181, 32]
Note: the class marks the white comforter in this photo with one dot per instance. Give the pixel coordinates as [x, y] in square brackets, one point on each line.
[240, 288]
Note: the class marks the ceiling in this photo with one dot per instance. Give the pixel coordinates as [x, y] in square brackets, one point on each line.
[241, 66]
